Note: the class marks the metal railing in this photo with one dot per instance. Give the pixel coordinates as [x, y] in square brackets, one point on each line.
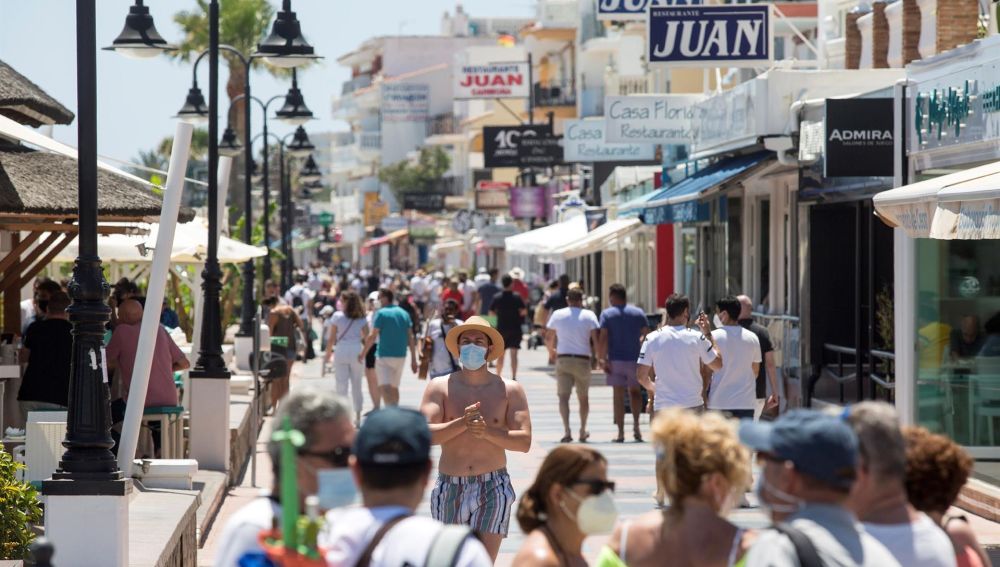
[371, 141]
[442, 124]
[359, 82]
[842, 365]
[554, 95]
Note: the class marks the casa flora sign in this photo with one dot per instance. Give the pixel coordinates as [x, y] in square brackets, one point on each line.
[653, 119]
[492, 80]
[738, 35]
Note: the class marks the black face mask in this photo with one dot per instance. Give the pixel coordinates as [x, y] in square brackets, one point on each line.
[43, 306]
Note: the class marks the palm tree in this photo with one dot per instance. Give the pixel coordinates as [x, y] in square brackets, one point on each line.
[242, 24]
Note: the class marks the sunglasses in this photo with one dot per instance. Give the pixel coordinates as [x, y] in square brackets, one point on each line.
[597, 486]
[338, 457]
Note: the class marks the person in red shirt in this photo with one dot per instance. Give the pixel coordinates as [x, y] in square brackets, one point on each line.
[451, 292]
[519, 287]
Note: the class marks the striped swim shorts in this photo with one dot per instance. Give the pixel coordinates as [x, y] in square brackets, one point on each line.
[481, 502]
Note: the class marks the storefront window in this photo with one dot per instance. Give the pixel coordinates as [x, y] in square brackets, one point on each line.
[958, 339]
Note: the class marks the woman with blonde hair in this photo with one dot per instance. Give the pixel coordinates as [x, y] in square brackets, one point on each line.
[569, 500]
[348, 331]
[704, 471]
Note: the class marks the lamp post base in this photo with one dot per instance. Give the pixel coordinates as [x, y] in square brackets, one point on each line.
[210, 422]
[70, 509]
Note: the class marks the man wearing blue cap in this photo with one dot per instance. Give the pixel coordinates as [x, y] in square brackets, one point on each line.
[809, 464]
[392, 466]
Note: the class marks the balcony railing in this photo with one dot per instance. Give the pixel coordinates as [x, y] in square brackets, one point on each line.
[450, 185]
[626, 84]
[554, 95]
[370, 141]
[442, 124]
[359, 82]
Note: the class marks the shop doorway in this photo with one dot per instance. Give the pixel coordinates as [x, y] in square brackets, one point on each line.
[850, 308]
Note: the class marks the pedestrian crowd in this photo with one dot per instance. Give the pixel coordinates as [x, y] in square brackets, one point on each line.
[846, 488]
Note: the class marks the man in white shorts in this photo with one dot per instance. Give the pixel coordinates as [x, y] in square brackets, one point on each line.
[393, 330]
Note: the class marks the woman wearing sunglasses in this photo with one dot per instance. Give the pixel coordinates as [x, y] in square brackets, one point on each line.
[705, 471]
[570, 499]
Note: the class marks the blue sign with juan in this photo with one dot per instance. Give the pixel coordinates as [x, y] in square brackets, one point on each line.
[710, 36]
[622, 10]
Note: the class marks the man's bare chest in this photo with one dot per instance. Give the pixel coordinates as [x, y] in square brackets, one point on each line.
[492, 399]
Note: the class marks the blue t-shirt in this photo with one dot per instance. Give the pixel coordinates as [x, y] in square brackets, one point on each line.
[393, 326]
[624, 325]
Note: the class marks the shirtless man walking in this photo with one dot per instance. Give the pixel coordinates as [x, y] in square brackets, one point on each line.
[476, 417]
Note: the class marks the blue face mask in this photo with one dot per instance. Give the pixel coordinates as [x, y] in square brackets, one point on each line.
[336, 488]
[472, 357]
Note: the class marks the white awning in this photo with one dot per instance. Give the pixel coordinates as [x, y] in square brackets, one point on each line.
[600, 238]
[542, 241]
[960, 205]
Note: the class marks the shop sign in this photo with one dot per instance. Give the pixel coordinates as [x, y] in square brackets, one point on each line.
[654, 119]
[500, 143]
[405, 102]
[375, 209]
[494, 234]
[424, 202]
[595, 217]
[959, 107]
[486, 185]
[583, 141]
[710, 36]
[528, 202]
[859, 139]
[688, 211]
[423, 233]
[625, 10]
[493, 199]
[493, 80]
[394, 223]
[540, 151]
[977, 220]
[731, 116]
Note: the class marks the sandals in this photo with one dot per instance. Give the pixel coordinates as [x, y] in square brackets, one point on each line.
[637, 436]
[618, 439]
[566, 439]
[584, 435]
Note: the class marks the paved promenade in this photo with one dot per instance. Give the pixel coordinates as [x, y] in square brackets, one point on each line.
[630, 464]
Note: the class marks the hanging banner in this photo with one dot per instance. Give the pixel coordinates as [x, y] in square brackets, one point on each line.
[493, 80]
[737, 35]
[424, 202]
[654, 119]
[500, 143]
[492, 199]
[540, 151]
[528, 202]
[583, 141]
[625, 10]
[859, 141]
[405, 102]
[374, 209]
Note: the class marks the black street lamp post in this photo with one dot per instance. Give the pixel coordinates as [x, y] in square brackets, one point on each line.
[88, 440]
[299, 146]
[293, 111]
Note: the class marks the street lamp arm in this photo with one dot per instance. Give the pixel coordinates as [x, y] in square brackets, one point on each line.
[271, 135]
[245, 59]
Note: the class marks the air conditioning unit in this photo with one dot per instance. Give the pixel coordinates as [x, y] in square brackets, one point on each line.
[43, 447]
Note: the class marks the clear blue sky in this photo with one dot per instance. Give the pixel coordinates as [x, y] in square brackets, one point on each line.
[137, 98]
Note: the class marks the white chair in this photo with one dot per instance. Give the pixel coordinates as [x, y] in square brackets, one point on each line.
[44, 434]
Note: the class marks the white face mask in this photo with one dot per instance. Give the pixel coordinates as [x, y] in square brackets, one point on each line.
[729, 502]
[717, 321]
[595, 515]
[779, 501]
[336, 488]
[472, 357]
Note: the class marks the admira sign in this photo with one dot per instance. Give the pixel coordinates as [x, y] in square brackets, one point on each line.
[859, 141]
[716, 36]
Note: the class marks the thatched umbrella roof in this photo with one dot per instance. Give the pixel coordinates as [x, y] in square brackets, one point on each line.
[25, 102]
[45, 184]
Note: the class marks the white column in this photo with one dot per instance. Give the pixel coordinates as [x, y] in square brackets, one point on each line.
[88, 530]
[210, 423]
[865, 24]
[904, 300]
[894, 16]
[928, 28]
[150, 327]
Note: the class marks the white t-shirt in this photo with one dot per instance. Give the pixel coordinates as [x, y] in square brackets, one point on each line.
[441, 360]
[242, 530]
[734, 386]
[348, 531]
[468, 290]
[920, 544]
[419, 287]
[348, 331]
[673, 353]
[573, 326]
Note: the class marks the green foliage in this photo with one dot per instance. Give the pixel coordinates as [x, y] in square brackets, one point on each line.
[885, 318]
[242, 24]
[19, 509]
[409, 177]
